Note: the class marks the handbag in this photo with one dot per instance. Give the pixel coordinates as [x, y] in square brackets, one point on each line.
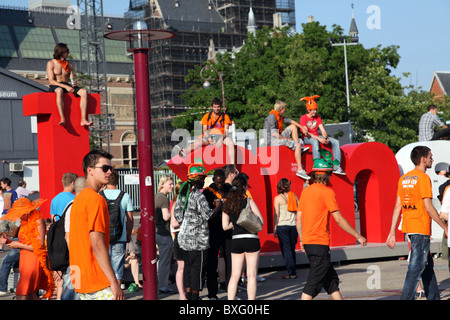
[248, 220]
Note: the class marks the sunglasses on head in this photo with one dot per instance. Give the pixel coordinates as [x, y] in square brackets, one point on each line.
[105, 168]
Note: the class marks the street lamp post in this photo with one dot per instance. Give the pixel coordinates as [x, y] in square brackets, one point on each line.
[139, 39]
[344, 43]
[207, 84]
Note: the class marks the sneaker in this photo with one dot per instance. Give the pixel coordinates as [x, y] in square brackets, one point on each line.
[304, 149]
[339, 170]
[302, 174]
[260, 279]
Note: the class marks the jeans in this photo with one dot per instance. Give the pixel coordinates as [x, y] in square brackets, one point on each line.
[11, 260]
[335, 147]
[420, 266]
[117, 252]
[165, 248]
[287, 236]
[68, 291]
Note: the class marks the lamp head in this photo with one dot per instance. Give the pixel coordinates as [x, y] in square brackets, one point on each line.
[206, 84]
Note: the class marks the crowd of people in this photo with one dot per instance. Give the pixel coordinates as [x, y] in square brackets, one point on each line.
[202, 223]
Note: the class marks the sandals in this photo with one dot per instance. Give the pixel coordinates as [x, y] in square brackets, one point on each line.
[287, 276]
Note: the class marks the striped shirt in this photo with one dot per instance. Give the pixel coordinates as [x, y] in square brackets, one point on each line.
[426, 126]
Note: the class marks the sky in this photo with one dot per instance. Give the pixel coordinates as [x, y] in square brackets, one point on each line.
[419, 27]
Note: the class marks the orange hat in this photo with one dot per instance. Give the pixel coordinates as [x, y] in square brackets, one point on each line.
[310, 103]
[20, 207]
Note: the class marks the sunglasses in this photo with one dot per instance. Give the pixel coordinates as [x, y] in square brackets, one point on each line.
[105, 168]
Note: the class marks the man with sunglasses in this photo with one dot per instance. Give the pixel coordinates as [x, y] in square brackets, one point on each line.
[59, 73]
[94, 277]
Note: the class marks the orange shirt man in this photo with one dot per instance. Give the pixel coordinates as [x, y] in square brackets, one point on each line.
[93, 276]
[317, 203]
[215, 125]
[414, 204]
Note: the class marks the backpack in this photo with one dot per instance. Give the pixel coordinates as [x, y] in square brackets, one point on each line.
[220, 117]
[115, 217]
[58, 252]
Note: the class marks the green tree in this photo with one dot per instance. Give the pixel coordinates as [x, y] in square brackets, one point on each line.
[274, 66]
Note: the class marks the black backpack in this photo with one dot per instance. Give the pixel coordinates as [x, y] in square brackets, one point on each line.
[58, 252]
[115, 218]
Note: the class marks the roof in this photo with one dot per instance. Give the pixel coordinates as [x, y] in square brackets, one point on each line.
[29, 37]
[353, 28]
[189, 14]
[443, 78]
[9, 81]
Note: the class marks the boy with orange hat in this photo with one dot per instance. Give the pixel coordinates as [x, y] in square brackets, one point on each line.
[311, 122]
[316, 204]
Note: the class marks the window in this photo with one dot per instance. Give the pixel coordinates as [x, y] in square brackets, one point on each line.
[35, 42]
[6, 43]
[129, 149]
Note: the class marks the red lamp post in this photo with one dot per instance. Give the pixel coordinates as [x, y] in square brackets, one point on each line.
[139, 39]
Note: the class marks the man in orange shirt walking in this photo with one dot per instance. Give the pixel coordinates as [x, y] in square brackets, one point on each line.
[414, 203]
[89, 234]
[317, 203]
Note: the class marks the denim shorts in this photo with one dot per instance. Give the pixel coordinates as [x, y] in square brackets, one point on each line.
[291, 144]
[117, 252]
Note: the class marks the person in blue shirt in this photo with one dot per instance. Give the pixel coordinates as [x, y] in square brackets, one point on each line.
[60, 201]
[117, 250]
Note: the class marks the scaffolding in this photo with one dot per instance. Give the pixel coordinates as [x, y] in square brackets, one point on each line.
[222, 22]
[93, 63]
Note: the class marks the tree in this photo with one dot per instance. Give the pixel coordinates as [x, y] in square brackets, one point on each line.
[274, 66]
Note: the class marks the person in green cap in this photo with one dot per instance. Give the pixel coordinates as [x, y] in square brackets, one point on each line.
[192, 212]
[316, 204]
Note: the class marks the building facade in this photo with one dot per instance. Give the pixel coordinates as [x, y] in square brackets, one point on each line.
[30, 34]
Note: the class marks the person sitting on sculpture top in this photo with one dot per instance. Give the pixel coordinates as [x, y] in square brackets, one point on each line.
[275, 135]
[59, 71]
[311, 123]
[215, 126]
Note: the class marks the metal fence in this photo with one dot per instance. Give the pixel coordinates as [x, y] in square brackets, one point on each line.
[129, 182]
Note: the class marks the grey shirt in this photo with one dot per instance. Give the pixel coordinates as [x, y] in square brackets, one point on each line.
[194, 230]
[270, 124]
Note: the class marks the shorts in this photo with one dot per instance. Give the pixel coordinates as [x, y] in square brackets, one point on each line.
[52, 88]
[177, 251]
[117, 253]
[242, 245]
[322, 273]
[104, 294]
[291, 144]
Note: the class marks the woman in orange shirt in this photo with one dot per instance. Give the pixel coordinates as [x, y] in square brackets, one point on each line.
[34, 274]
[317, 203]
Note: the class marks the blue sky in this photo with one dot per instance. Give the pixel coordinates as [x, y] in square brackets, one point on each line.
[419, 27]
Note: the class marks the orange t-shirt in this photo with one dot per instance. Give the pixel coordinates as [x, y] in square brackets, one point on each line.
[89, 213]
[220, 124]
[316, 204]
[413, 187]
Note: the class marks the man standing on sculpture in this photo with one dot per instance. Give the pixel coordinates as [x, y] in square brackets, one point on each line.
[59, 73]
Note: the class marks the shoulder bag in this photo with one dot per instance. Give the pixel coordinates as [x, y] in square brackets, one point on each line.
[248, 220]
